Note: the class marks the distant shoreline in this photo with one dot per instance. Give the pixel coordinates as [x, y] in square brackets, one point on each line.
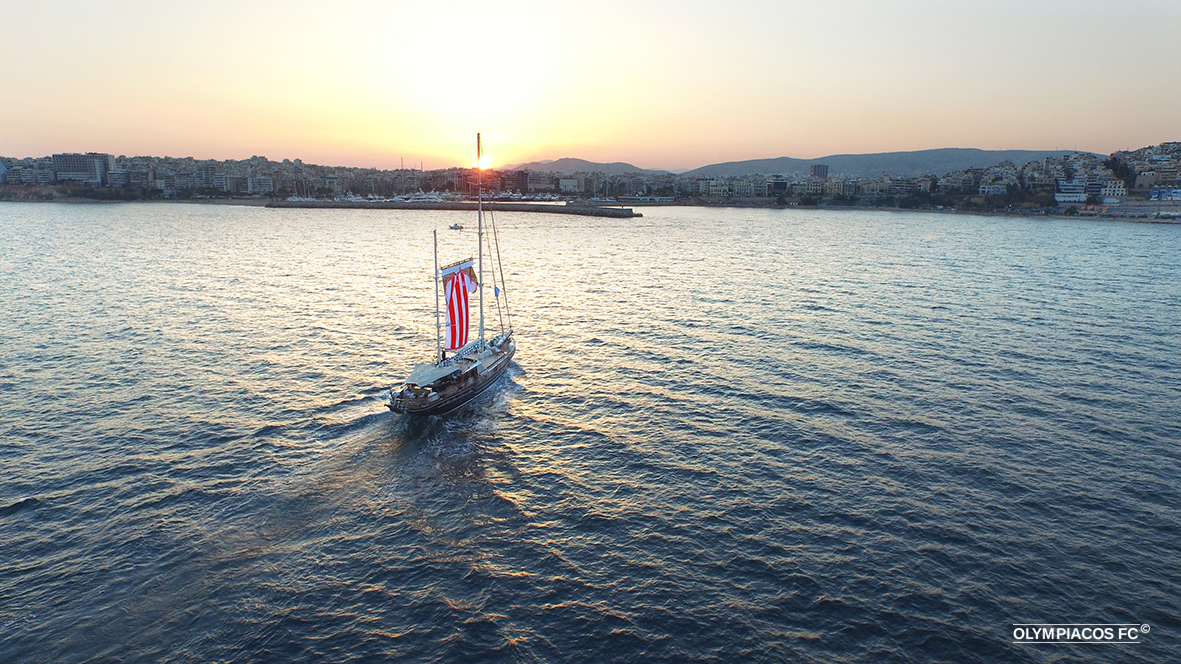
[1174, 208]
[1147, 210]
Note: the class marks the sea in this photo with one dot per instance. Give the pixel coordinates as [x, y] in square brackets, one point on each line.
[728, 435]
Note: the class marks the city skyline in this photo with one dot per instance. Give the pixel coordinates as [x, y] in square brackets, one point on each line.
[664, 85]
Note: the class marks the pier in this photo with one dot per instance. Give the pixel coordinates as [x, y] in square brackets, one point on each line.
[583, 210]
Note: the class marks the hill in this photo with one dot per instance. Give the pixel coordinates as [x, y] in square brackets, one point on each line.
[904, 164]
[569, 165]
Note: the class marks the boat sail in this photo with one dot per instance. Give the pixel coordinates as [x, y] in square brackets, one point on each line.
[473, 364]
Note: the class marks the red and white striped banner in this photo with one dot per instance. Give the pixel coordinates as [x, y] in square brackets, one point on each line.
[459, 282]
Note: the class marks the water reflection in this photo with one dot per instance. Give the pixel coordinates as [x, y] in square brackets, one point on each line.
[782, 434]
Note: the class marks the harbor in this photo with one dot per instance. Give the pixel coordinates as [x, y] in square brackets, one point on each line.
[547, 208]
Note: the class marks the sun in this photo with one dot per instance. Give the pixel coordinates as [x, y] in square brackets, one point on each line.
[484, 163]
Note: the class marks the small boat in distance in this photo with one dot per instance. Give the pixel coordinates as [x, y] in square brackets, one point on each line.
[456, 227]
[448, 382]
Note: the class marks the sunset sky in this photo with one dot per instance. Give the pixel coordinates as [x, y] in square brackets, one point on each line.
[671, 85]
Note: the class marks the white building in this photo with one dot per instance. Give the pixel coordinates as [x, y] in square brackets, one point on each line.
[719, 188]
[90, 168]
[1071, 191]
[1114, 189]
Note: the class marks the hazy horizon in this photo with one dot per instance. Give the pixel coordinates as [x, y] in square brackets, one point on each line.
[662, 85]
[280, 158]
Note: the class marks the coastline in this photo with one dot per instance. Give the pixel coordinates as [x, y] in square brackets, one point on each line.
[1139, 211]
[1173, 209]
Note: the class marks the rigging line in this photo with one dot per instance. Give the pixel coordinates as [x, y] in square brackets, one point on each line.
[492, 222]
[496, 238]
[503, 287]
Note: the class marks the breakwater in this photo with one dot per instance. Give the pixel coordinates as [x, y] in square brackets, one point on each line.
[584, 210]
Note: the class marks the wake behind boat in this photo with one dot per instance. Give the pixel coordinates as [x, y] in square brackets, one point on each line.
[447, 383]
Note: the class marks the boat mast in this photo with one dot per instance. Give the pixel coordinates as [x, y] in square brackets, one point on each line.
[438, 324]
[480, 230]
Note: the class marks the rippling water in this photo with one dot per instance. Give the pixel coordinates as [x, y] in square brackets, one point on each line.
[728, 435]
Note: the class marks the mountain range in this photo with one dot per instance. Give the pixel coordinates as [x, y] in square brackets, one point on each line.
[570, 165]
[903, 164]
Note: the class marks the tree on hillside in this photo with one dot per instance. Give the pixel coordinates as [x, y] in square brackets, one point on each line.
[1121, 170]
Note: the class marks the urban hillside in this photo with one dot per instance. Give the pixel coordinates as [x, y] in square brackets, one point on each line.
[1073, 182]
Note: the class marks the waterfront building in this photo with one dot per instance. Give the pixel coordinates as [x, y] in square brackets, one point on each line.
[1071, 191]
[684, 186]
[235, 184]
[1167, 173]
[719, 188]
[539, 182]
[1035, 176]
[90, 168]
[19, 173]
[899, 187]
[807, 188]
[1113, 189]
[261, 185]
[949, 182]
[118, 178]
[205, 176]
[141, 177]
[572, 185]
[870, 189]
[970, 181]
[457, 179]
[514, 180]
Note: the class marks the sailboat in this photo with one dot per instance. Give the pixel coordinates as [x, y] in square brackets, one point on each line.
[463, 368]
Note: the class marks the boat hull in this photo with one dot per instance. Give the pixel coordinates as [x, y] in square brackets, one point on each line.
[453, 401]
